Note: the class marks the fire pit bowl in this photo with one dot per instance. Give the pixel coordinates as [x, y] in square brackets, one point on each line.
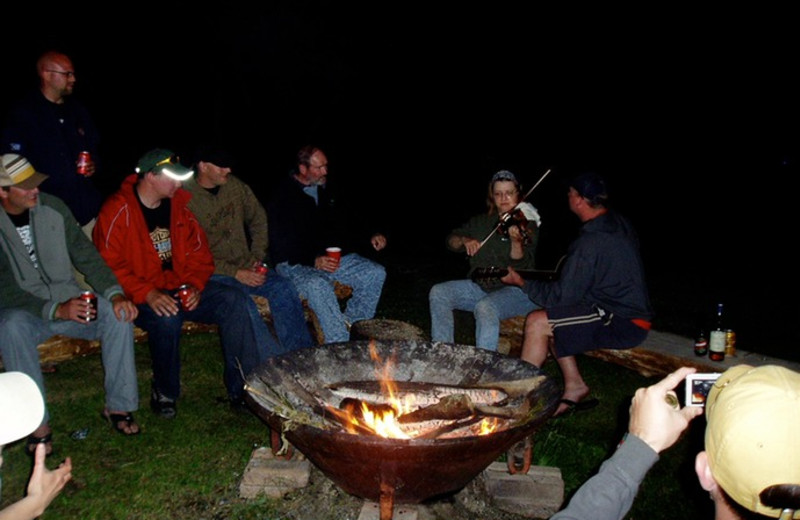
[291, 393]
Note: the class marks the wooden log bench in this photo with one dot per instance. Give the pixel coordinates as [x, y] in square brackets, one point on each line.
[61, 348]
[660, 354]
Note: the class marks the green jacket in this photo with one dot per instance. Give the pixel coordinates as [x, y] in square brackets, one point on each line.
[496, 251]
[228, 218]
[59, 244]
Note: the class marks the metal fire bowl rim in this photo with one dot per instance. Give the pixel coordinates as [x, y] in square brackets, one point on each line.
[483, 365]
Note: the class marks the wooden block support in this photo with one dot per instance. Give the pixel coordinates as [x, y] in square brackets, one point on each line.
[61, 348]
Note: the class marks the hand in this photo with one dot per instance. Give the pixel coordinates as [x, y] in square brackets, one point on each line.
[124, 309]
[191, 302]
[512, 278]
[162, 303]
[250, 277]
[653, 419]
[44, 484]
[378, 241]
[515, 234]
[326, 263]
[76, 309]
[471, 245]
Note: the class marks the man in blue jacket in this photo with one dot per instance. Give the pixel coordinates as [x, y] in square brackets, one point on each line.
[600, 299]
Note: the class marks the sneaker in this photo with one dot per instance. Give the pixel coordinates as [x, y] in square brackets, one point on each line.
[163, 405]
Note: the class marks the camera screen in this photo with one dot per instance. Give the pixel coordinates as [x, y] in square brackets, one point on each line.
[697, 388]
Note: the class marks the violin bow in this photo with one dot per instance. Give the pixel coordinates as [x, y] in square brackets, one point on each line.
[502, 219]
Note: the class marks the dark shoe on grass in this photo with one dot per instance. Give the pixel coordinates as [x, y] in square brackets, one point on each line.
[162, 405]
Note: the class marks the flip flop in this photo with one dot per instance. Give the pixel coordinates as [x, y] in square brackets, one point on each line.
[573, 406]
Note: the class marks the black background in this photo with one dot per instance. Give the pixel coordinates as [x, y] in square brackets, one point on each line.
[692, 116]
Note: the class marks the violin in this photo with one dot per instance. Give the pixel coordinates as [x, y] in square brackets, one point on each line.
[515, 217]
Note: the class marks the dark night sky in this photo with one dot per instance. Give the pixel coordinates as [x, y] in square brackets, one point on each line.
[692, 116]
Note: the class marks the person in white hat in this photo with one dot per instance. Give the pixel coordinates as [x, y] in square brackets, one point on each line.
[21, 411]
[40, 242]
[751, 462]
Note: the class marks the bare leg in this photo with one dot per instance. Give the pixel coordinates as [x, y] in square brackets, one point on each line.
[537, 343]
[575, 388]
[536, 338]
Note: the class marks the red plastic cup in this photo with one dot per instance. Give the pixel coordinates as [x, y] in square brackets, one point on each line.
[334, 252]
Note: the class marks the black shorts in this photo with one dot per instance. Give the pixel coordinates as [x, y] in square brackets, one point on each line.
[580, 328]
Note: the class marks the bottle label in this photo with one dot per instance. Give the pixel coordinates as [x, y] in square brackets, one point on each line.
[716, 341]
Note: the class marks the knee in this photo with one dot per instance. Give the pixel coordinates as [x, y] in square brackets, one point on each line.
[437, 293]
[536, 322]
[163, 326]
[486, 309]
[18, 324]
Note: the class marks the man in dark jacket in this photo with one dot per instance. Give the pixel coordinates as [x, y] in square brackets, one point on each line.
[600, 299]
[51, 128]
[304, 220]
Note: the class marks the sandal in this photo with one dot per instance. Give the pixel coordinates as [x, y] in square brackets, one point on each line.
[33, 441]
[121, 421]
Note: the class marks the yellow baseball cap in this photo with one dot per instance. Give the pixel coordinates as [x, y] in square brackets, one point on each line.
[753, 417]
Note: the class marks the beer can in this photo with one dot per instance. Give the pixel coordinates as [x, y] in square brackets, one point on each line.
[730, 343]
[183, 293]
[260, 267]
[89, 296]
[83, 163]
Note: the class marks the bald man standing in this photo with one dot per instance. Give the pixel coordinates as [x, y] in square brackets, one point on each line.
[51, 128]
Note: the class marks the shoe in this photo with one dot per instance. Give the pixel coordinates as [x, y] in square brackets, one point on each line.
[163, 405]
[573, 406]
[120, 421]
[237, 404]
[33, 441]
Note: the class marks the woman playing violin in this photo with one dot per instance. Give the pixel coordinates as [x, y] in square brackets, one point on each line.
[512, 228]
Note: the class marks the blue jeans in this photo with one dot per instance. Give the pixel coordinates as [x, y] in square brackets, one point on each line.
[489, 308]
[363, 275]
[219, 305]
[288, 317]
[21, 332]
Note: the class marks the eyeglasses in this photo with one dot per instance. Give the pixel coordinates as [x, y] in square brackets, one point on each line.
[68, 73]
[503, 194]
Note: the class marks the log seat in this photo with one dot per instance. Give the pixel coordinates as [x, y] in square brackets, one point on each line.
[61, 348]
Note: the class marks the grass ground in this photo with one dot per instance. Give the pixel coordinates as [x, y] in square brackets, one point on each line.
[191, 467]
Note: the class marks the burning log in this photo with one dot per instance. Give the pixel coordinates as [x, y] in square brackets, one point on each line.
[422, 394]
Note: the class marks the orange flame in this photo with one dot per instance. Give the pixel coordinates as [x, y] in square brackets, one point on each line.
[383, 419]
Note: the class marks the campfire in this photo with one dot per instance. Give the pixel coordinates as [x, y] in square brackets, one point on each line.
[401, 421]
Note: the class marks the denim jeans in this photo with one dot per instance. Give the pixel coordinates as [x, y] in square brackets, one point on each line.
[219, 305]
[21, 332]
[363, 275]
[288, 317]
[488, 308]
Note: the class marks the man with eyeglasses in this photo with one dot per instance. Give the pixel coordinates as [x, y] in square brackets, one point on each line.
[488, 245]
[304, 219]
[51, 128]
[159, 252]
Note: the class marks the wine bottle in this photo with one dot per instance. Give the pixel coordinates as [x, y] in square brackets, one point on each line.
[716, 338]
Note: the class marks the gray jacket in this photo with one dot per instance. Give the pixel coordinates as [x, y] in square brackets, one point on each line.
[59, 244]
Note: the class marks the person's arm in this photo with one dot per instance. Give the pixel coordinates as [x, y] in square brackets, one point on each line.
[43, 486]
[654, 426]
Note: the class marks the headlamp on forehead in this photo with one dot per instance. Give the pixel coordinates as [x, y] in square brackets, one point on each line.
[163, 161]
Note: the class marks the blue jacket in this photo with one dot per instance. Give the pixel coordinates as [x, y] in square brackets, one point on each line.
[603, 268]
